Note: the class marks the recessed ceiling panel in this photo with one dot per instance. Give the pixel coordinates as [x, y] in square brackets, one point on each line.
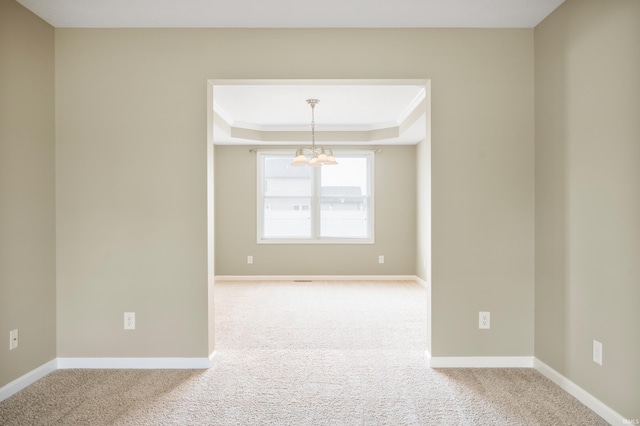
[285, 106]
[348, 113]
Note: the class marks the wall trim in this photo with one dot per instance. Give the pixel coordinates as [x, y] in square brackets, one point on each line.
[593, 403]
[597, 406]
[27, 379]
[422, 282]
[480, 361]
[138, 363]
[316, 278]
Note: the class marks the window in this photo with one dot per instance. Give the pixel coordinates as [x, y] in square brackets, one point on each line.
[329, 204]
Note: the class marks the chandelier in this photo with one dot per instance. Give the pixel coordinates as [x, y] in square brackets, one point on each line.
[320, 156]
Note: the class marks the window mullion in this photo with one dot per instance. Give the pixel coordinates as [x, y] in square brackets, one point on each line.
[316, 203]
[290, 211]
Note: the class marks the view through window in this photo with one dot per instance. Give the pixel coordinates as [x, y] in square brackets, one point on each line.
[315, 204]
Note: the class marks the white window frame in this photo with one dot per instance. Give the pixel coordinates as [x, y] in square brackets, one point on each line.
[315, 200]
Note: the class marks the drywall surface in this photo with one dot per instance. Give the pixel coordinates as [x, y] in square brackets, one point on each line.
[394, 221]
[132, 174]
[587, 64]
[27, 191]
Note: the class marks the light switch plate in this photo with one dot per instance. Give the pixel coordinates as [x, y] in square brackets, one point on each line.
[13, 339]
[597, 352]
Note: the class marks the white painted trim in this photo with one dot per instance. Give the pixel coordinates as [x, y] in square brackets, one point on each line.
[25, 380]
[422, 282]
[33, 376]
[138, 363]
[316, 278]
[481, 362]
[576, 391]
[580, 394]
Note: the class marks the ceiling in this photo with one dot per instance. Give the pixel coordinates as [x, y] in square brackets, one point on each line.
[267, 113]
[354, 112]
[292, 13]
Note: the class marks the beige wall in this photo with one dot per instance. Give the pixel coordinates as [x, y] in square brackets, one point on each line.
[395, 219]
[482, 193]
[132, 182]
[131, 152]
[27, 201]
[588, 197]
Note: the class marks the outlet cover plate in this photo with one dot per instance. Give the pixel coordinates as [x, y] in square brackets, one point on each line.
[129, 320]
[484, 320]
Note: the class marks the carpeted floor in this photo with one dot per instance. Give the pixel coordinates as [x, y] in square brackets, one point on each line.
[313, 353]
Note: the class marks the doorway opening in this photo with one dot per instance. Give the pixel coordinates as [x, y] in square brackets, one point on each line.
[391, 115]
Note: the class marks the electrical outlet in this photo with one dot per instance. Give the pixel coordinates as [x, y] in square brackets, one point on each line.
[250, 260]
[13, 339]
[597, 352]
[381, 259]
[484, 320]
[129, 320]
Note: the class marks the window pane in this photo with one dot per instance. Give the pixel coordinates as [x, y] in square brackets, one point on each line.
[287, 217]
[349, 177]
[344, 217]
[327, 204]
[282, 179]
[343, 202]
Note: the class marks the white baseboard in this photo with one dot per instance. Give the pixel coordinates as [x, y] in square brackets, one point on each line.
[141, 363]
[315, 278]
[422, 282]
[594, 404]
[581, 395]
[576, 391]
[480, 361]
[25, 380]
[105, 363]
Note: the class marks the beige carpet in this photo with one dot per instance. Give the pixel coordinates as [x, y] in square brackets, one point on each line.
[318, 353]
